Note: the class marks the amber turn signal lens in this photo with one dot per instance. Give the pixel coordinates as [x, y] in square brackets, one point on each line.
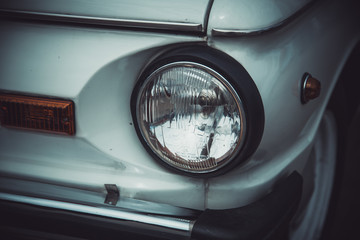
[37, 113]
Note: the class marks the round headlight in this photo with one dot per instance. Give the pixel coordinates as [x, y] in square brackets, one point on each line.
[191, 117]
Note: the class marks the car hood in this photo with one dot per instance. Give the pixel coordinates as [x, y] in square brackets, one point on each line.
[185, 15]
[239, 16]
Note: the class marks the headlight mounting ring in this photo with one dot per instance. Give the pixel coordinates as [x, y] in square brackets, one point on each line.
[232, 76]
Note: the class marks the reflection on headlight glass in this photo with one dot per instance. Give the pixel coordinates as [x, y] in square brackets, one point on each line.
[190, 118]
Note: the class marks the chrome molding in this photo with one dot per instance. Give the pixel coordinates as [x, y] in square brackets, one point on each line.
[175, 222]
[182, 227]
[251, 32]
[103, 21]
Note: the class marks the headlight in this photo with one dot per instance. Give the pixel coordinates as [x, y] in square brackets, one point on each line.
[190, 116]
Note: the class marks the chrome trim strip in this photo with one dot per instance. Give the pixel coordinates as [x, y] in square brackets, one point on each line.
[159, 25]
[217, 32]
[207, 14]
[181, 226]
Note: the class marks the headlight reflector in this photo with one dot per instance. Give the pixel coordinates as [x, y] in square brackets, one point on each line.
[190, 117]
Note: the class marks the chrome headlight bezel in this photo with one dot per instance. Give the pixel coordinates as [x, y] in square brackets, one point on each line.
[233, 77]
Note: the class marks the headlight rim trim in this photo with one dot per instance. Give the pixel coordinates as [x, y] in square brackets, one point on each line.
[239, 79]
[225, 83]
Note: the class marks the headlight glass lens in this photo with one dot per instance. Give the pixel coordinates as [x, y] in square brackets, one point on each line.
[191, 117]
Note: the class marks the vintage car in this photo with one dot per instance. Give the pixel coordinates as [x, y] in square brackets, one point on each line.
[161, 119]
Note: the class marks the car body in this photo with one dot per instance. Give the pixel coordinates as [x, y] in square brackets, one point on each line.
[93, 54]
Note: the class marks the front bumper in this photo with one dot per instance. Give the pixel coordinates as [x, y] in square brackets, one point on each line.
[31, 210]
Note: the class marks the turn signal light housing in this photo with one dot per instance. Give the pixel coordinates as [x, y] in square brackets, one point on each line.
[37, 113]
